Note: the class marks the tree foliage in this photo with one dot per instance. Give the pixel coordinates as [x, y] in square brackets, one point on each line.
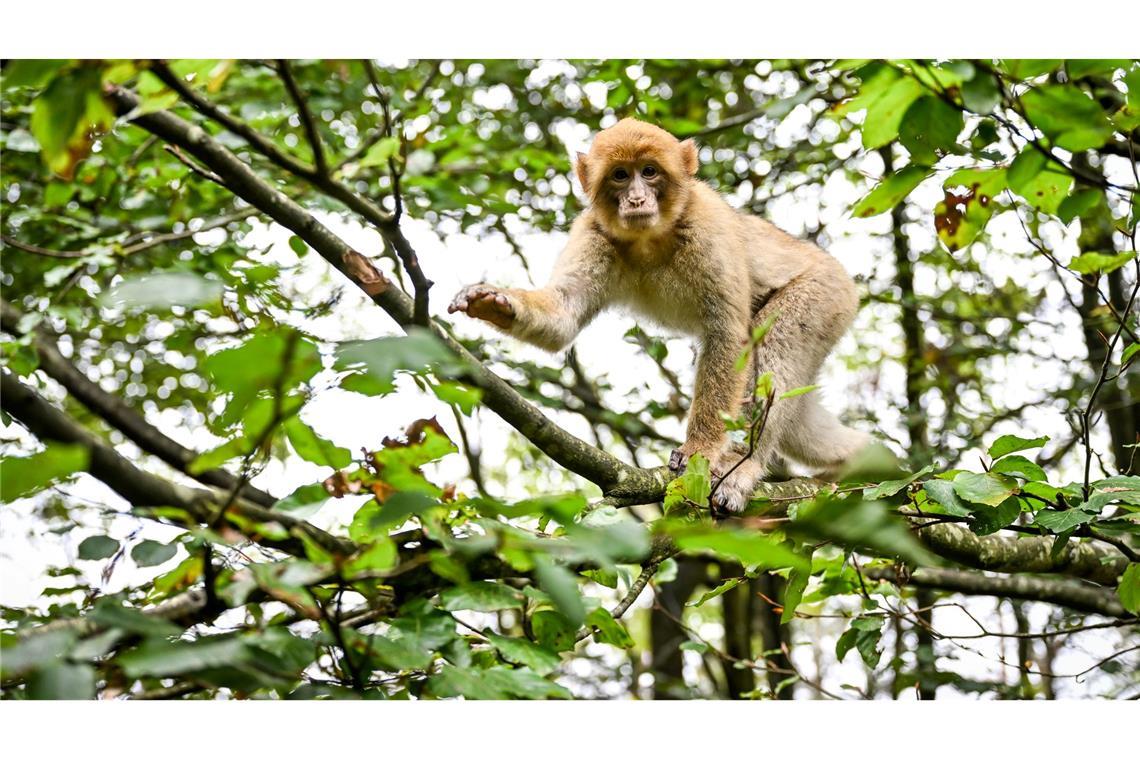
[184, 240]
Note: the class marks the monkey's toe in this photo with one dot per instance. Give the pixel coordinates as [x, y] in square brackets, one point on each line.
[728, 501]
[677, 462]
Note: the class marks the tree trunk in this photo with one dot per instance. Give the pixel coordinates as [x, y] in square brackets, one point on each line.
[666, 636]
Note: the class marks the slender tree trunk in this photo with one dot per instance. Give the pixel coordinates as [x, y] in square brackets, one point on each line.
[915, 419]
[666, 636]
[737, 606]
[774, 636]
[1119, 399]
[1024, 651]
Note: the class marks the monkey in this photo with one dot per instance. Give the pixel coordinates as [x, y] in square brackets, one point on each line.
[663, 244]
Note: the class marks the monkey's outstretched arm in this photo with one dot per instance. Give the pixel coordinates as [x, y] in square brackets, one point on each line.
[553, 315]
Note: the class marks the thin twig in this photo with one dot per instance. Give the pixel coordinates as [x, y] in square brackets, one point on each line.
[307, 120]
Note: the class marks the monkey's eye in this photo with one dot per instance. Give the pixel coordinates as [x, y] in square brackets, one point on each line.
[621, 175]
[649, 171]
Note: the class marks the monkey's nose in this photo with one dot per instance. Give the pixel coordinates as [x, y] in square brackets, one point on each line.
[636, 202]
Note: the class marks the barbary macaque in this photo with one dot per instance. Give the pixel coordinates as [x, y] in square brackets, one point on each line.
[664, 244]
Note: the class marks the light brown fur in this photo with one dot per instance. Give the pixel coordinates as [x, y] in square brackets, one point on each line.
[667, 246]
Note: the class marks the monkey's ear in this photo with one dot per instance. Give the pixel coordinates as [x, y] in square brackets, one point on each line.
[583, 175]
[689, 156]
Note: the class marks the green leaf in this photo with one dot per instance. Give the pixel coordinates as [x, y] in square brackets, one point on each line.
[395, 651]
[161, 291]
[149, 553]
[986, 520]
[608, 630]
[891, 191]
[30, 72]
[1072, 119]
[1025, 167]
[162, 658]
[304, 502]
[462, 396]
[24, 476]
[562, 586]
[930, 129]
[314, 448]
[1057, 521]
[1083, 67]
[1019, 466]
[381, 556]
[493, 683]
[1100, 263]
[1046, 190]
[381, 358]
[981, 94]
[1007, 444]
[691, 488]
[379, 153]
[798, 578]
[858, 524]
[941, 492]
[41, 650]
[1028, 68]
[62, 681]
[796, 392]
[1129, 588]
[113, 615]
[750, 548]
[891, 487]
[299, 246]
[984, 487]
[1079, 203]
[58, 120]
[728, 585]
[885, 113]
[373, 519]
[481, 596]
[277, 360]
[524, 652]
[97, 547]
[864, 635]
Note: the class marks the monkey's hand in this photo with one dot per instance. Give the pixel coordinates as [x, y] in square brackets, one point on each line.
[485, 302]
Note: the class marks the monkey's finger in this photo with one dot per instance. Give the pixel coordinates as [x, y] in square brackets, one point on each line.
[677, 461]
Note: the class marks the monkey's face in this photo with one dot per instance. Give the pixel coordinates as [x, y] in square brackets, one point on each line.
[635, 191]
[638, 176]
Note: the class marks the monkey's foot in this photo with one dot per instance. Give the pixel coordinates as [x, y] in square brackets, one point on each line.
[732, 492]
[677, 462]
[484, 302]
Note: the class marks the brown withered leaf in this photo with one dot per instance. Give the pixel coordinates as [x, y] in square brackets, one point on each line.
[415, 432]
[338, 485]
[448, 493]
[381, 490]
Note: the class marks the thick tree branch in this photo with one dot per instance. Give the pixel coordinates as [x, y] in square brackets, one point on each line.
[1077, 559]
[141, 488]
[1073, 594]
[121, 415]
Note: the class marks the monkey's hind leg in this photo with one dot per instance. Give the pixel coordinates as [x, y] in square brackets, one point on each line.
[821, 441]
